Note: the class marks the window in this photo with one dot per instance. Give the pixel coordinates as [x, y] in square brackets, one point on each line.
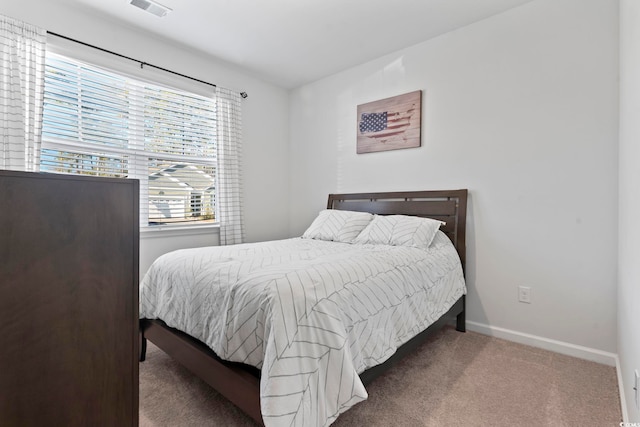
[97, 122]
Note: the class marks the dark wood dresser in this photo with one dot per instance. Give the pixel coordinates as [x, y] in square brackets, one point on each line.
[68, 300]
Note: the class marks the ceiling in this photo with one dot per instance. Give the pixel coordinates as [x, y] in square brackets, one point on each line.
[293, 42]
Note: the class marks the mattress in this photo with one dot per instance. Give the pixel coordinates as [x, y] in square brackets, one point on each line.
[310, 314]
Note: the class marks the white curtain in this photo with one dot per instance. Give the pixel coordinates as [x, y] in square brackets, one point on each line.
[22, 50]
[229, 122]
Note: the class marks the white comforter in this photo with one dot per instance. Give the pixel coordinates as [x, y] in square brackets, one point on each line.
[310, 314]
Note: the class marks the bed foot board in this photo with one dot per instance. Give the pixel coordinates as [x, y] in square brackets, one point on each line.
[231, 380]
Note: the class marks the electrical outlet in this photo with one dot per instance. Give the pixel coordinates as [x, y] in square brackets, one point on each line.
[636, 386]
[524, 294]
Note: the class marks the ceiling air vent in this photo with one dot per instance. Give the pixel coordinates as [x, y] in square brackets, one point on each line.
[151, 7]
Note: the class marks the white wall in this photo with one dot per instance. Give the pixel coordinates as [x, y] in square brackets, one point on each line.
[629, 227]
[521, 109]
[265, 115]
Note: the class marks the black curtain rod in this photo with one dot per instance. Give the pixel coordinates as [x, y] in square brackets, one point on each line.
[142, 63]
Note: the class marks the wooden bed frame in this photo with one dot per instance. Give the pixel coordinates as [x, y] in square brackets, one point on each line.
[241, 383]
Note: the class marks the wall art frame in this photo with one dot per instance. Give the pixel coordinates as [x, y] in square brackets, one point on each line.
[390, 124]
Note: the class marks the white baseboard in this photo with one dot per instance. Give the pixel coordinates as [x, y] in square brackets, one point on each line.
[568, 349]
[623, 400]
[599, 356]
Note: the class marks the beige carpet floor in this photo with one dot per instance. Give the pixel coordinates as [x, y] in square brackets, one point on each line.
[456, 379]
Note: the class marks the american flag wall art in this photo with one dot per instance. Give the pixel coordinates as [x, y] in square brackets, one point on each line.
[390, 124]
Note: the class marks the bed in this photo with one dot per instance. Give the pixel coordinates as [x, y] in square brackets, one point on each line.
[307, 352]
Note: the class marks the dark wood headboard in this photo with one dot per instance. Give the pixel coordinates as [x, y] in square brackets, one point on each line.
[449, 206]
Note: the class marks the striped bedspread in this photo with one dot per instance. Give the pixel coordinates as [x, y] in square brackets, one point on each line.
[310, 314]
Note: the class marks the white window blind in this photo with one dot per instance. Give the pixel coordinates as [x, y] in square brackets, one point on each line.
[97, 122]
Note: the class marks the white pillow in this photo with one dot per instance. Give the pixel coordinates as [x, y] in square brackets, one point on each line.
[400, 230]
[337, 226]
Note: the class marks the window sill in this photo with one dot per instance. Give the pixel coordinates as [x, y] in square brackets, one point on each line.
[163, 231]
